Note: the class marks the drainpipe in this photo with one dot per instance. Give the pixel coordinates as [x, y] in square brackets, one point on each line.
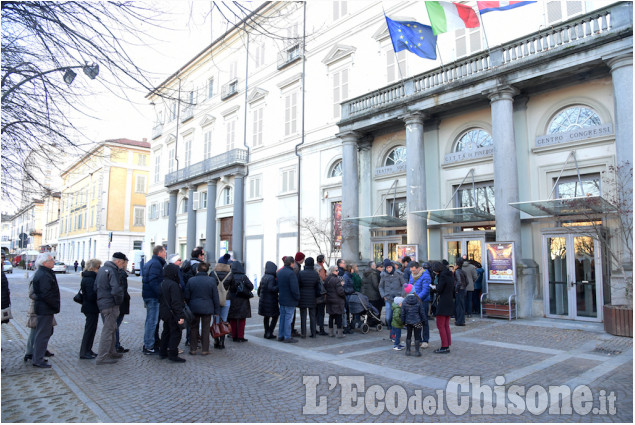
[244, 203]
[178, 120]
[302, 139]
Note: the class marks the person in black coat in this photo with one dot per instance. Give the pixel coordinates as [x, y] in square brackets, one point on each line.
[46, 293]
[90, 309]
[335, 301]
[445, 306]
[6, 295]
[309, 282]
[201, 293]
[413, 313]
[268, 303]
[240, 307]
[124, 308]
[171, 307]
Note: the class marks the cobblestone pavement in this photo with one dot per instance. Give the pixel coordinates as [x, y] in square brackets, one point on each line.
[262, 380]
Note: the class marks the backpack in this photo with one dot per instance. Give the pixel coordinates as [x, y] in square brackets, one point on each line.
[188, 270]
[222, 292]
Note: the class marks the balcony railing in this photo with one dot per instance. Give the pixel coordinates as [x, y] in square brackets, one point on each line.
[188, 112]
[578, 30]
[289, 54]
[157, 130]
[229, 89]
[215, 163]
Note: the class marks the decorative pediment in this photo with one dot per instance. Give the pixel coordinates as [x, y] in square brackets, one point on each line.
[207, 120]
[187, 132]
[293, 79]
[257, 94]
[338, 52]
[170, 139]
[230, 111]
[382, 32]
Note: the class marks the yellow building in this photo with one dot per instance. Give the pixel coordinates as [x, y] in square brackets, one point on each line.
[103, 201]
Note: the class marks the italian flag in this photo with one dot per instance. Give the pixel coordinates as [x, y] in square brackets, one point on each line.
[446, 16]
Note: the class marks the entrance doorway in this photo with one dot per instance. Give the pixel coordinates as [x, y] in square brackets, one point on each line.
[386, 247]
[471, 244]
[573, 277]
[226, 225]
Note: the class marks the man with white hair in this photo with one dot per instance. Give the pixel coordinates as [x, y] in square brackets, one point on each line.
[110, 295]
[46, 304]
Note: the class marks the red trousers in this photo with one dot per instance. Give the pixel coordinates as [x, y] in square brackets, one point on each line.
[443, 325]
[238, 328]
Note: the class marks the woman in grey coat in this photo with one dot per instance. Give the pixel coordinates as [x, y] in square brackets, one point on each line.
[390, 286]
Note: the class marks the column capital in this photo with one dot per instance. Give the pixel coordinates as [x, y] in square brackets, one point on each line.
[619, 61]
[520, 102]
[501, 92]
[413, 118]
[174, 192]
[192, 187]
[366, 142]
[349, 136]
[212, 180]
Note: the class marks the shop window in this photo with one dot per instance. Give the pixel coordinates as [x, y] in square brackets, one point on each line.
[396, 156]
[570, 187]
[573, 118]
[482, 197]
[336, 169]
[473, 139]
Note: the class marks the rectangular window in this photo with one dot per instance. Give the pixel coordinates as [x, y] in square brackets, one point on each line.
[393, 73]
[339, 9]
[137, 244]
[230, 128]
[483, 199]
[203, 200]
[142, 160]
[259, 56]
[157, 167]
[397, 208]
[291, 113]
[79, 221]
[288, 181]
[468, 41]
[173, 107]
[140, 184]
[207, 145]
[188, 152]
[570, 187]
[255, 184]
[153, 211]
[340, 90]
[165, 210]
[139, 216]
[92, 217]
[257, 127]
[233, 70]
[171, 159]
[210, 88]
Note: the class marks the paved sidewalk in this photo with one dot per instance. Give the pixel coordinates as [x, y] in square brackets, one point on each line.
[264, 380]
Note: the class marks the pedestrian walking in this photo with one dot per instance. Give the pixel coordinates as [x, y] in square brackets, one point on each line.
[75, 264]
[124, 308]
[335, 301]
[109, 298]
[151, 281]
[90, 309]
[289, 297]
[83, 264]
[240, 308]
[445, 305]
[46, 293]
[413, 316]
[201, 294]
[309, 282]
[268, 302]
[171, 306]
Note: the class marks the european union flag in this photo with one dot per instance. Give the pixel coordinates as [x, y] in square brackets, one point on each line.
[414, 37]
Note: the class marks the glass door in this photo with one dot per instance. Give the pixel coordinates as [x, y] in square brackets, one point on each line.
[573, 281]
[385, 248]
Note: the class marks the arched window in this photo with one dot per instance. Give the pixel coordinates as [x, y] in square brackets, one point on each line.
[396, 156]
[227, 197]
[572, 118]
[473, 139]
[336, 169]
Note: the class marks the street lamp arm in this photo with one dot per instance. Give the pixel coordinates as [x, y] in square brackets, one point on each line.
[37, 75]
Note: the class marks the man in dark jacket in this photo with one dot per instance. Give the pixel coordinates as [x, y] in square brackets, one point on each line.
[152, 278]
[289, 297]
[341, 267]
[171, 305]
[110, 295]
[268, 299]
[46, 294]
[309, 282]
[405, 261]
[124, 308]
[201, 293]
[189, 268]
[461, 280]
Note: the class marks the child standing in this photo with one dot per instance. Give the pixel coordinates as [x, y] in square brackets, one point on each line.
[413, 316]
[397, 324]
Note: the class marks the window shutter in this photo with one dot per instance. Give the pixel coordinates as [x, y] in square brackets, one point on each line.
[196, 201]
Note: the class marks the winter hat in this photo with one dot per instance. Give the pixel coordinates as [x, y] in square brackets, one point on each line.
[172, 259]
[408, 288]
[398, 300]
[224, 259]
[299, 256]
[309, 263]
[387, 263]
[120, 256]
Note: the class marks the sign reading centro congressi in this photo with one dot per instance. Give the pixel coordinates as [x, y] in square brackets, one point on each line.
[501, 264]
[575, 135]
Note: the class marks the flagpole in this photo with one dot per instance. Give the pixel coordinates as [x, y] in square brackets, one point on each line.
[480, 18]
[393, 51]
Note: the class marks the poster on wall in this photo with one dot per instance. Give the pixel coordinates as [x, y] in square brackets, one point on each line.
[501, 263]
[409, 250]
[336, 215]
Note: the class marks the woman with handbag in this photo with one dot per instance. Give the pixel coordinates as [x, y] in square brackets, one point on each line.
[445, 306]
[268, 303]
[239, 294]
[223, 276]
[89, 308]
[171, 306]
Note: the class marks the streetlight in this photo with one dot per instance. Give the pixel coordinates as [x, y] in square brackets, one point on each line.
[69, 76]
[92, 71]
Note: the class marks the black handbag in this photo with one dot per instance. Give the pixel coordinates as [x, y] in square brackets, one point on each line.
[187, 313]
[243, 291]
[79, 297]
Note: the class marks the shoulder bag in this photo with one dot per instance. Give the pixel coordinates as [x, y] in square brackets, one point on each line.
[222, 292]
[242, 290]
[220, 328]
[79, 297]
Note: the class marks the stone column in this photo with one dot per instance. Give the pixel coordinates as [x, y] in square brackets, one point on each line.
[237, 225]
[350, 196]
[415, 183]
[210, 228]
[191, 222]
[365, 192]
[172, 221]
[505, 166]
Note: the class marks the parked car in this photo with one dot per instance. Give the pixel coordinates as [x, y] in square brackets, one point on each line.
[7, 267]
[59, 267]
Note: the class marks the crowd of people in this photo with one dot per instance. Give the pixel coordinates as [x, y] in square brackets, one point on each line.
[192, 295]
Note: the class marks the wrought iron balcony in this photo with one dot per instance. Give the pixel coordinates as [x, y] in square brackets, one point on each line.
[210, 165]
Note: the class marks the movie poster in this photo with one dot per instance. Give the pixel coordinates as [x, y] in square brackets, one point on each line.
[501, 265]
[409, 250]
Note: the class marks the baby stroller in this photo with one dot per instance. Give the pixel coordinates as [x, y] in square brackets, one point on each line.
[363, 313]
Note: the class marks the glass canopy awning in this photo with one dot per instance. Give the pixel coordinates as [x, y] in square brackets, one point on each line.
[378, 221]
[582, 205]
[456, 215]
